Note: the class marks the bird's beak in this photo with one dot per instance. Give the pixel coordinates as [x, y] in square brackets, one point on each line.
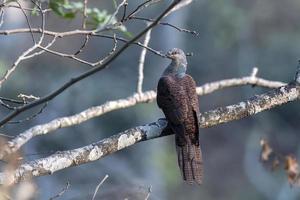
[169, 55]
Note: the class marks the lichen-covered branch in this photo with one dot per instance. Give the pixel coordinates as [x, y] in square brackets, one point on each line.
[97, 150]
[145, 97]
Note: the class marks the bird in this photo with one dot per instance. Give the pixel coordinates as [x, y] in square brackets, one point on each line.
[177, 97]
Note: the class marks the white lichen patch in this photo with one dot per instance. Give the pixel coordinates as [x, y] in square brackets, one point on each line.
[282, 89]
[55, 163]
[242, 105]
[154, 130]
[95, 153]
[127, 140]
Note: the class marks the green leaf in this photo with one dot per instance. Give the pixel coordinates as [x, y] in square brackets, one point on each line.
[70, 15]
[66, 9]
[35, 12]
[56, 6]
[127, 34]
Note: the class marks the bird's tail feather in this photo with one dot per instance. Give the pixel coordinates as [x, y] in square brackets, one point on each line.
[190, 162]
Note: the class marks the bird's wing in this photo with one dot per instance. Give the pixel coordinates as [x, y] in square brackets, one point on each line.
[193, 101]
[168, 100]
[193, 167]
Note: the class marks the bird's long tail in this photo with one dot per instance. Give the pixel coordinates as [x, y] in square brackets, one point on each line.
[190, 162]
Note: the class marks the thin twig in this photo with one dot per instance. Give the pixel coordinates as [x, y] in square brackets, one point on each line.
[27, 20]
[140, 8]
[30, 117]
[99, 185]
[110, 53]
[124, 11]
[7, 136]
[11, 100]
[43, 21]
[86, 40]
[85, 16]
[16, 63]
[139, 88]
[107, 26]
[42, 51]
[149, 192]
[180, 4]
[168, 24]
[7, 105]
[61, 192]
[27, 9]
[1, 16]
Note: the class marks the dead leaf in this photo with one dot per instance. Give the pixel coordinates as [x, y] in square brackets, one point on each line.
[266, 150]
[292, 170]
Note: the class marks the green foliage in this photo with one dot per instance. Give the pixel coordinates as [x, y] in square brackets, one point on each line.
[95, 17]
[66, 9]
[35, 12]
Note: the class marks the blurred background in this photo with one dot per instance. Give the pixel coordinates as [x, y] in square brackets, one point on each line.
[234, 37]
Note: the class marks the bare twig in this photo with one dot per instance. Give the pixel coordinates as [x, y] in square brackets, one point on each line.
[61, 192]
[85, 16]
[108, 25]
[139, 88]
[11, 100]
[6, 136]
[31, 116]
[116, 11]
[140, 8]
[149, 192]
[42, 51]
[109, 106]
[167, 24]
[1, 16]
[7, 105]
[42, 23]
[27, 20]
[124, 11]
[25, 97]
[84, 44]
[98, 150]
[16, 63]
[86, 74]
[110, 53]
[26, 9]
[73, 56]
[180, 4]
[98, 186]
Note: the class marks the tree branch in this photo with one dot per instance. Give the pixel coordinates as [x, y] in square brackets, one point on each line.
[139, 87]
[97, 150]
[145, 97]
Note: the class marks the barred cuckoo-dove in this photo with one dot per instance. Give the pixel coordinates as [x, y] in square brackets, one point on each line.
[176, 96]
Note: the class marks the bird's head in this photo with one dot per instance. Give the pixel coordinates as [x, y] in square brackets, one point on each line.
[177, 55]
